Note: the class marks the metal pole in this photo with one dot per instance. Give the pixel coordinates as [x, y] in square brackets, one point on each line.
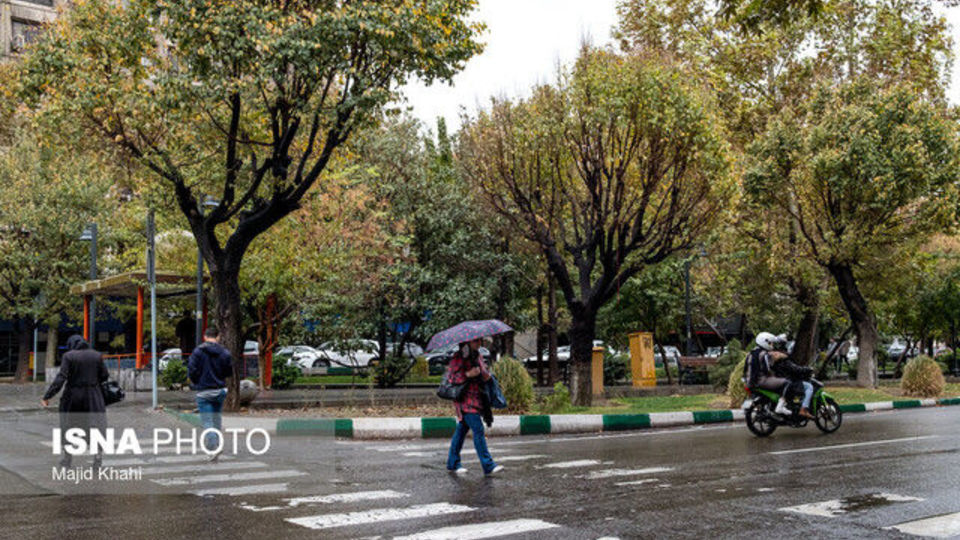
[152, 278]
[36, 362]
[686, 273]
[93, 276]
[199, 314]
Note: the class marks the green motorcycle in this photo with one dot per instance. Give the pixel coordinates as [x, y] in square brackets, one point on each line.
[763, 420]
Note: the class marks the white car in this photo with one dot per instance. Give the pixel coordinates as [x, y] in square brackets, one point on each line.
[673, 354]
[309, 360]
[358, 354]
[168, 355]
[563, 353]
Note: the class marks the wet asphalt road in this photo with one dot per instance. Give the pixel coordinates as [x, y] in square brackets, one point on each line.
[717, 481]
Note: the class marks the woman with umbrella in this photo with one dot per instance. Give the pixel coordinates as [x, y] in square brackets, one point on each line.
[467, 367]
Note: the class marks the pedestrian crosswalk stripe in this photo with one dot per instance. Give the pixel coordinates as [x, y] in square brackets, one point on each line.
[944, 526]
[611, 473]
[327, 521]
[151, 460]
[482, 530]
[204, 467]
[329, 499]
[212, 478]
[839, 507]
[644, 481]
[571, 464]
[242, 490]
[512, 458]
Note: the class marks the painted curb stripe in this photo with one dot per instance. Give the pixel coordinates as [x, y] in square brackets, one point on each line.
[879, 406]
[622, 422]
[907, 404]
[950, 401]
[679, 418]
[431, 428]
[534, 425]
[853, 407]
[709, 417]
[335, 427]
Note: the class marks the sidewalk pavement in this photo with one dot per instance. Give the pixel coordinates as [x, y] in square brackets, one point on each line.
[442, 427]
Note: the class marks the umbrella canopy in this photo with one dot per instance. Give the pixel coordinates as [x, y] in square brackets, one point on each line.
[467, 331]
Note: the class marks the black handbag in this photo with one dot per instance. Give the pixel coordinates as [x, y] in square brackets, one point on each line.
[112, 393]
[453, 392]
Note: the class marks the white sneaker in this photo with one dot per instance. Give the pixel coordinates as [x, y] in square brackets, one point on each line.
[782, 407]
[495, 470]
[461, 470]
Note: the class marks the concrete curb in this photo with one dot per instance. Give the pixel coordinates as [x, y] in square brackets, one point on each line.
[443, 427]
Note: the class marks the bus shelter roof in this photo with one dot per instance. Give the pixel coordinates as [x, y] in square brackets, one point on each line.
[126, 284]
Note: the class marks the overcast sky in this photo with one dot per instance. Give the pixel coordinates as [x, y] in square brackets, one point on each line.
[525, 40]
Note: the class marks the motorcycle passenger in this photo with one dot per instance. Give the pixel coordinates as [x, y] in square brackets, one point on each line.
[759, 372]
[784, 367]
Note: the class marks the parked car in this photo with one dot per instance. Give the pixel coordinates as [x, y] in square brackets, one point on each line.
[438, 360]
[563, 354]
[411, 350]
[170, 354]
[673, 354]
[897, 347]
[358, 353]
[309, 360]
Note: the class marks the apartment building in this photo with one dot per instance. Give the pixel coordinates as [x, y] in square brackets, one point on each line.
[20, 20]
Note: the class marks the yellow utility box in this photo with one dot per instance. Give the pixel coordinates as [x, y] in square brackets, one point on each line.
[642, 370]
[596, 373]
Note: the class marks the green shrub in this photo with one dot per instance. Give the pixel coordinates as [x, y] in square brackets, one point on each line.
[735, 388]
[174, 376]
[614, 369]
[556, 402]
[284, 375]
[420, 369]
[516, 384]
[922, 378]
[719, 374]
[389, 371]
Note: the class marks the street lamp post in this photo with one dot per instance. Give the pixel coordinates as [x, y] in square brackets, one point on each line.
[90, 235]
[208, 202]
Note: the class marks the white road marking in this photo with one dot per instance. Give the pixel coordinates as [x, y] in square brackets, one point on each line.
[211, 478]
[640, 482]
[329, 499]
[152, 460]
[205, 467]
[420, 454]
[512, 458]
[234, 491]
[327, 521]
[943, 526]
[482, 530]
[852, 445]
[837, 507]
[765, 490]
[611, 473]
[571, 464]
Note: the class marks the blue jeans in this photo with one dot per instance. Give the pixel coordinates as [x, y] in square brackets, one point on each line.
[210, 408]
[807, 394]
[471, 422]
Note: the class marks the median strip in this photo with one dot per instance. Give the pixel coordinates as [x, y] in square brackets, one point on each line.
[508, 425]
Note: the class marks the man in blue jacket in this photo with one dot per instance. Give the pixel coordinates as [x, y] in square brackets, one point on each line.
[209, 366]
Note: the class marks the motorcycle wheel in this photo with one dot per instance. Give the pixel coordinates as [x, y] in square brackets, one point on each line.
[759, 420]
[829, 416]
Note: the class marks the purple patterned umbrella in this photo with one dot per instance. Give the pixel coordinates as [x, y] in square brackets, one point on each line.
[467, 331]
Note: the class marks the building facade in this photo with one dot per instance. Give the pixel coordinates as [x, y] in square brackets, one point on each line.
[20, 20]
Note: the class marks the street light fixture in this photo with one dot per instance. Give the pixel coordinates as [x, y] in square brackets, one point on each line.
[208, 202]
[90, 235]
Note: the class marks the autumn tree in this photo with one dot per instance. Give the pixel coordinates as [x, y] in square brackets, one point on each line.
[863, 171]
[245, 101]
[616, 167]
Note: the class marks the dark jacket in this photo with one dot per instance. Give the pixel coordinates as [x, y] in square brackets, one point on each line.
[756, 367]
[209, 366]
[81, 372]
[788, 370]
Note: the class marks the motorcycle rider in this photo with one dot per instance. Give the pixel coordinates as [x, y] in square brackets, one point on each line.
[784, 367]
[759, 371]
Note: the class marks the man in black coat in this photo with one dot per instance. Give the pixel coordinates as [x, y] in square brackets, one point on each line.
[209, 366]
[81, 404]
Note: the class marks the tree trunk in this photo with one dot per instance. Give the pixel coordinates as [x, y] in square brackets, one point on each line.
[268, 340]
[666, 361]
[24, 334]
[226, 292]
[863, 323]
[541, 336]
[50, 357]
[552, 333]
[582, 331]
[805, 343]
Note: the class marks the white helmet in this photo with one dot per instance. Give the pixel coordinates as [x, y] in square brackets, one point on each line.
[767, 341]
